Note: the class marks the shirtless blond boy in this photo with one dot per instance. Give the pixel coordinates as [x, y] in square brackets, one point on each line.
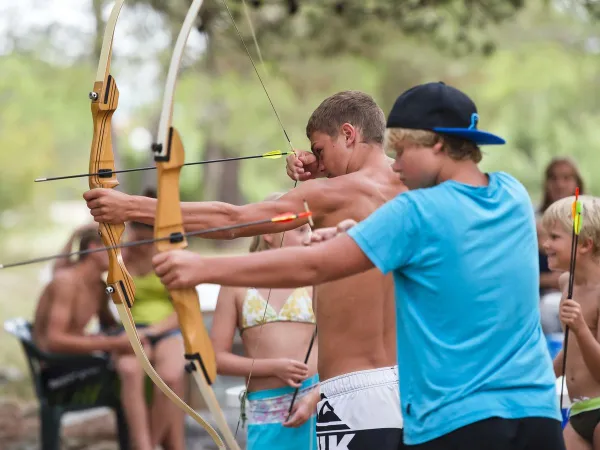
[357, 358]
[580, 314]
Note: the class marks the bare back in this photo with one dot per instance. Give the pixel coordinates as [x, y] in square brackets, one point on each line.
[580, 382]
[356, 315]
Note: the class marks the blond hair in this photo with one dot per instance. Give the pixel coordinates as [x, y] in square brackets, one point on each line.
[353, 107]
[258, 243]
[561, 212]
[457, 148]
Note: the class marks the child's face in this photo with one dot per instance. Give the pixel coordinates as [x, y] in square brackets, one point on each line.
[417, 166]
[558, 247]
[562, 181]
[294, 237]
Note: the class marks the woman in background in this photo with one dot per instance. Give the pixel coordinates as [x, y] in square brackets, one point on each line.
[162, 423]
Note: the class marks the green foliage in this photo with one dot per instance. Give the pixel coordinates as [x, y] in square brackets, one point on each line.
[43, 126]
[537, 90]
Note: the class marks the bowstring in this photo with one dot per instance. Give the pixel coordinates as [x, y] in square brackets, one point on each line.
[295, 183]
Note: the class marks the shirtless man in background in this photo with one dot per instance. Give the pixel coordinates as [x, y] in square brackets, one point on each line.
[581, 314]
[74, 296]
[357, 358]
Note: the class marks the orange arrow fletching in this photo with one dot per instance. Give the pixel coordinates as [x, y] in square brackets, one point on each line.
[288, 217]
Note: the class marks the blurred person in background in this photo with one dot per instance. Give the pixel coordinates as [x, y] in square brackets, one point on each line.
[162, 423]
[275, 367]
[561, 178]
[72, 245]
[75, 295]
[69, 303]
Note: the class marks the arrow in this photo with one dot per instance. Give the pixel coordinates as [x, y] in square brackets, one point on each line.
[275, 154]
[281, 218]
[576, 210]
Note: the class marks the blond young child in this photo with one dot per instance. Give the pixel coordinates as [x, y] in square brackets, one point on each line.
[580, 314]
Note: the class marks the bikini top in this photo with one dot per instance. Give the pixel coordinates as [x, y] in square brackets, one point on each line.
[297, 308]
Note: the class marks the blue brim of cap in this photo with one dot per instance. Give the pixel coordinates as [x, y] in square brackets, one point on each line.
[477, 136]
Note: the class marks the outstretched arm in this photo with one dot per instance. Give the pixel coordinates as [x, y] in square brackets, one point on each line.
[110, 206]
[283, 268]
[387, 239]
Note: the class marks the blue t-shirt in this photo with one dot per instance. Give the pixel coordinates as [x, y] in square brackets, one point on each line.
[465, 265]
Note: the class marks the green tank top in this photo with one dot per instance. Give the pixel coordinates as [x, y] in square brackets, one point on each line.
[152, 303]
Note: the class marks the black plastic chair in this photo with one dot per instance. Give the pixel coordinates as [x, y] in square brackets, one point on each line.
[68, 383]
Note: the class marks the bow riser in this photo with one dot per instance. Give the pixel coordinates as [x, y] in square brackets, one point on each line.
[169, 223]
[105, 100]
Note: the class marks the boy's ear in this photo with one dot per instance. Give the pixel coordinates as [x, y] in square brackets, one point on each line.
[586, 246]
[349, 133]
[438, 147]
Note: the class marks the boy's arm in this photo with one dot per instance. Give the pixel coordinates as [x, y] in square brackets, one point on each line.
[322, 196]
[289, 267]
[58, 337]
[588, 342]
[387, 239]
[590, 349]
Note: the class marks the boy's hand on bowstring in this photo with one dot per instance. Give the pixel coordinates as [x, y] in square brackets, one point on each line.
[178, 269]
[302, 166]
[325, 234]
[301, 412]
[571, 315]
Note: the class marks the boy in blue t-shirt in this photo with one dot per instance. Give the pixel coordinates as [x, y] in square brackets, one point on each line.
[462, 247]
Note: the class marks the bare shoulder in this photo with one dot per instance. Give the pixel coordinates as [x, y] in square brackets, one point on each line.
[231, 296]
[358, 183]
[64, 274]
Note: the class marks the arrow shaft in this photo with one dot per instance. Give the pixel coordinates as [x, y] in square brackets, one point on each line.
[140, 169]
[278, 219]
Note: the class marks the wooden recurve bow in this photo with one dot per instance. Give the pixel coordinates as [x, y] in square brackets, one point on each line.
[169, 155]
[104, 100]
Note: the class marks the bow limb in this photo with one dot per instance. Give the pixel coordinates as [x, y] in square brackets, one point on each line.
[105, 98]
[169, 155]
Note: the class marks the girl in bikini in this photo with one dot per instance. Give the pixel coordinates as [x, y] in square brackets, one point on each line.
[162, 423]
[276, 329]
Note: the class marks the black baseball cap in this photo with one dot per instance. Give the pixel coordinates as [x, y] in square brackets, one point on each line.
[442, 109]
